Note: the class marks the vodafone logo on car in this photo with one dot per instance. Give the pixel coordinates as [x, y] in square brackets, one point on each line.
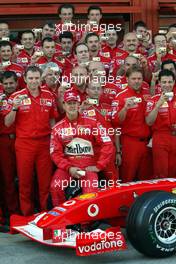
[93, 210]
[100, 247]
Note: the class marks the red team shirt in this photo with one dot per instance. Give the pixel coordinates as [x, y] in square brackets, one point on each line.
[3, 129]
[152, 60]
[32, 119]
[134, 123]
[166, 115]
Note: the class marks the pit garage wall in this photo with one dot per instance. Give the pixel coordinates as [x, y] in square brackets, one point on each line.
[156, 13]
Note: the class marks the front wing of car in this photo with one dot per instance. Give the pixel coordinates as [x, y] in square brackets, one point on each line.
[85, 243]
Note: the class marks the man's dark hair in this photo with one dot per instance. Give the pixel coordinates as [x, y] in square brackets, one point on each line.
[50, 24]
[66, 6]
[67, 35]
[158, 34]
[133, 69]
[165, 73]
[94, 7]
[80, 44]
[26, 32]
[139, 24]
[48, 39]
[33, 68]
[91, 34]
[8, 74]
[168, 62]
[5, 43]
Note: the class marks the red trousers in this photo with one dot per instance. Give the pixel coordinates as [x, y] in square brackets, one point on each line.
[62, 179]
[30, 154]
[111, 172]
[8, 174]
[136, 159]
[164, 155]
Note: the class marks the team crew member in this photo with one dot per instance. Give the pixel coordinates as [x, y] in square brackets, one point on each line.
[102, 112]
[145, 47]
[161, 115]
[65, 54]
[155, 87]
[66, 14]
[97, 73]
[4, 30]
[161, 54]
[48, 30]
[27, 39]
[121, 80]
[82, 58]
[33, 110]
[72, 149]
[93, 42]
[79, 81]
[48, 56]
[51, 78]
[129, 113]
[6, 61]
[110, 49]
[94, 14]
[131, 48]
[7, 147]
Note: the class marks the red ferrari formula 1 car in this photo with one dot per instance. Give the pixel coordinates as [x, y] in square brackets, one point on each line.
[146, 208]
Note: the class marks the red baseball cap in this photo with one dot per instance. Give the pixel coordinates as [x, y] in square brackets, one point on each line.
[71, 95]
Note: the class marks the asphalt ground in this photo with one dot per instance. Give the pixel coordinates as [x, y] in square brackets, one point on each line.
[17, 249]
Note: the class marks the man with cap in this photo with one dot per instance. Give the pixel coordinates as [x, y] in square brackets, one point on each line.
[72, 149]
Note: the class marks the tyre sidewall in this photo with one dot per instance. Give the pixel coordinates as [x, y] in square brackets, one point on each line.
[146, 221]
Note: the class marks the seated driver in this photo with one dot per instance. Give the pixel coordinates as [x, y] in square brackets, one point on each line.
[72, 150]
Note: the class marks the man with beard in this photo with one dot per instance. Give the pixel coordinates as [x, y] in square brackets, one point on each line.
[131, 47]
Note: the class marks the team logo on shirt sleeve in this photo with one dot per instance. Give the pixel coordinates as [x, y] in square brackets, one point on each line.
[149, 106]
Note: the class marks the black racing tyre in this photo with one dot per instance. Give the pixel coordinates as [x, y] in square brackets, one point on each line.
[151, 224]
[131, 218]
